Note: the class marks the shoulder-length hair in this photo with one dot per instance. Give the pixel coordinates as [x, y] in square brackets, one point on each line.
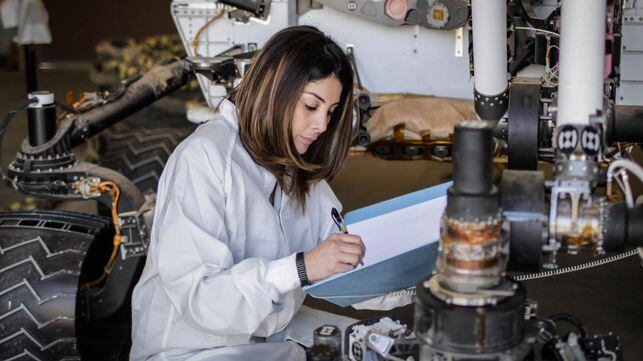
[266, 100]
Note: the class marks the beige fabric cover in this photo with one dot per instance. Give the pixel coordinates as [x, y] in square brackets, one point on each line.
[419, 115]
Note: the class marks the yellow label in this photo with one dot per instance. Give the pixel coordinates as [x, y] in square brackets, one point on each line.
[438, 14]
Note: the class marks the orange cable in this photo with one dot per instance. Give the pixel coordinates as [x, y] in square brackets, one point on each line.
[195, 42]
[113, 189]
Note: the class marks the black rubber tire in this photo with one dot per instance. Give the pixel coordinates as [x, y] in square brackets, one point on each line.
[42, 262]
[140, 154]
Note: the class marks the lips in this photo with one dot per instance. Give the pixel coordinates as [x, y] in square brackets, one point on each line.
[307, 140]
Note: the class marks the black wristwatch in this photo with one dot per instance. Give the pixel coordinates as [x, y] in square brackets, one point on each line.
[301, 269]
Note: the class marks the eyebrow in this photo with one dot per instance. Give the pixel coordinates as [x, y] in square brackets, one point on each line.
[318, 97]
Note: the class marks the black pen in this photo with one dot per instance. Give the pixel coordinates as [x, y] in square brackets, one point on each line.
[339, 221]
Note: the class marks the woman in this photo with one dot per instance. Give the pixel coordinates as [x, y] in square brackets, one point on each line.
[243, 211]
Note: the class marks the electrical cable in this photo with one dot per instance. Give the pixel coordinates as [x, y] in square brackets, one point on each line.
[353, 62]
[619, 182]
[571, 319]
[66, 107]
[614, 170]
[549, 51]
[550, 72]
[195, 42]
[113, 189]
[575, 268]
[634, 168]
[537, 30]
[5, 123]
[625, 186]
[525, 277]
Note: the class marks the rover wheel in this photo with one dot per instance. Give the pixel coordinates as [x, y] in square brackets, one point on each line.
[44, 256]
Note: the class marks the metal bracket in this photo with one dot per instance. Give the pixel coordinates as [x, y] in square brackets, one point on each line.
[87, 187]
[459, 42]
[134, 222]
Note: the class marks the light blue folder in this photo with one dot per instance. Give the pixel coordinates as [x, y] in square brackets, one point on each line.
[391, 274]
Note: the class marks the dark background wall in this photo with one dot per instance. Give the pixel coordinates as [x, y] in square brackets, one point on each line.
[78, 25]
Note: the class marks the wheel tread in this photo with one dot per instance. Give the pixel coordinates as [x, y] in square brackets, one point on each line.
[140, 154]
[39, 274]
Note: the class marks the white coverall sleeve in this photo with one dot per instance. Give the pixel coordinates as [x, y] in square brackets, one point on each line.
[195, 265]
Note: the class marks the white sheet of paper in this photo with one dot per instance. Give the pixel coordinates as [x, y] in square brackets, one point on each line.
[399, 231]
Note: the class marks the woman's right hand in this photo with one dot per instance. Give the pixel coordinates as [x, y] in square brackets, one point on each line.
[337, 254]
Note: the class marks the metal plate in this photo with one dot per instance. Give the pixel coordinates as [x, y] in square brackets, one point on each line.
[523, 204]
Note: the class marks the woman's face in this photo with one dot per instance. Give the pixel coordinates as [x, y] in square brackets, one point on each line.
[313, 110]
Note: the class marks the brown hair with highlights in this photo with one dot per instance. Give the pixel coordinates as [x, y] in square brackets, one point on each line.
[266, 100]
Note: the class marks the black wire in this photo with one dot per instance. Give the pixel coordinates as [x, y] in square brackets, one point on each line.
[5, 123]
[571, 319]
[351, 60]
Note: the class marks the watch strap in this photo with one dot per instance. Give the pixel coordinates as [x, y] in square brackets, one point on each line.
[301, 269]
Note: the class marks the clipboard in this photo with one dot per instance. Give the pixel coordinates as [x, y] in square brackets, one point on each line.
[401, 237]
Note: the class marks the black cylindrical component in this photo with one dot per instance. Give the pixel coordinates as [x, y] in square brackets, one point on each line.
[472, 195]
[491, 107]
[626, 125]
[364, 101]
[30, 67]
[363, 139]
[523, 125]
[468, 329]
[540, 50]
[472, 158]
[327, 344]
[523, 204]
[328, 335]
[623, 228]
[41, 117]
[322, 353]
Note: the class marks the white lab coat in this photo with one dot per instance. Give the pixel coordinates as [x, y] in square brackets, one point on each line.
[220, 269]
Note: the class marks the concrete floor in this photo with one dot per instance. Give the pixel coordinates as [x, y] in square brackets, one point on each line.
[606, 299]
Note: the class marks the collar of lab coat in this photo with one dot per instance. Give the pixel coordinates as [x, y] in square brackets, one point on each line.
[228, 112]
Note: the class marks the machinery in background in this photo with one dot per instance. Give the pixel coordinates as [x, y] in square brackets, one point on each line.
[516, 40]
[66, 277]
[470, 309]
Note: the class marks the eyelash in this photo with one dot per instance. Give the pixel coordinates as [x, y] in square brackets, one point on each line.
[312, 109]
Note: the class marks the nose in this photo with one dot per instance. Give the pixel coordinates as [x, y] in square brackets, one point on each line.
[320, 123]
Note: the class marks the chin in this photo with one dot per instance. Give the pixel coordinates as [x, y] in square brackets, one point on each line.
[301, 149]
